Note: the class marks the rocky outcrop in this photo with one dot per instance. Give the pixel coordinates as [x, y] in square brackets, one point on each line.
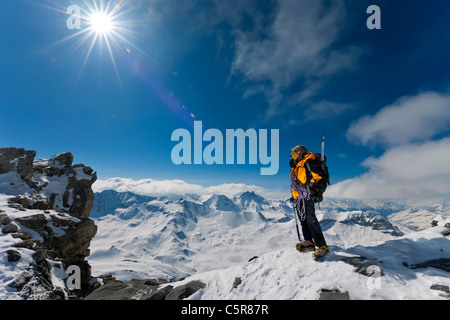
[50, 184]
[443, 264]
[333, 294]
[146, 289]
[47, 213]
[364, 267]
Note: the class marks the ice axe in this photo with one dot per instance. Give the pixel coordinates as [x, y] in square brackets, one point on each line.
[296, 218]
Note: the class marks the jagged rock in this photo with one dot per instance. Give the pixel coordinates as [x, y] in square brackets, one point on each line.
[440, 288]
[4, 219]
[22, 235]
[37, 222]
[363, 266]
[12, 159]
[61, 221]
[134, 290]
[147, 289]
[10, 228]
[160, 294]
[184, 291]
[49, 185]
[445, 290]
[28, 244]
[443, 264]
[43, 267]
[326, 294]
[13, 255]
[76, 198]
[64, 159]
[236, 283]
[21, 280]
[446, 232]
[113, 290]
[106, 278]
[74, 244]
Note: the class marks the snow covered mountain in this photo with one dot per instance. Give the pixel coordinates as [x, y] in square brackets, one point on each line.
[141, 237]
[156, 237]
[233, 246]
[244, 248]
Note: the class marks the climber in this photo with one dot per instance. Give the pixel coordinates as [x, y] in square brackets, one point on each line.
[309, 180]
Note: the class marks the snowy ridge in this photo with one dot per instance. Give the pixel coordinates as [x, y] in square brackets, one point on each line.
[286, 274]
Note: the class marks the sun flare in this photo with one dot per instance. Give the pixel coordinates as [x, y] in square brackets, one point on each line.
[104, 24]
[101, 22]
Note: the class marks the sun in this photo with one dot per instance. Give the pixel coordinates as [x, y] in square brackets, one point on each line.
[106, 24]
[101, 23]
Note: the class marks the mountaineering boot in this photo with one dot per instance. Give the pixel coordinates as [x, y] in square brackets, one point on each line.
[321, 253]
[306, 246]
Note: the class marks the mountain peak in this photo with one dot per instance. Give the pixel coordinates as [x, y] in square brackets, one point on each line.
[220, 202]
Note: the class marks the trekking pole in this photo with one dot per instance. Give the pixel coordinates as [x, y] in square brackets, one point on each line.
[296, 221]
[322, 155]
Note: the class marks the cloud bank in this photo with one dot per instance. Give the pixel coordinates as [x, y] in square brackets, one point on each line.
[414, 118]
[180, 188]
[414, 166]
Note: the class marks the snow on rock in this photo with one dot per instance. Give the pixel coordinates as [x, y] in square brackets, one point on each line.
[47, 184]
[45, 226]
[220, 202]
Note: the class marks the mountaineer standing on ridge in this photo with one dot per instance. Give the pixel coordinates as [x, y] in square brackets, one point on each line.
[309, 180]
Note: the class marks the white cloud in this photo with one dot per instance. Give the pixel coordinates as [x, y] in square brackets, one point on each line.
[299, 47]
[280, 46]
[178, 187]
[418, 172]
[326, 110]
[410, 119]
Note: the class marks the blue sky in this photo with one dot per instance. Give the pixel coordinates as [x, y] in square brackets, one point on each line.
[305, 67]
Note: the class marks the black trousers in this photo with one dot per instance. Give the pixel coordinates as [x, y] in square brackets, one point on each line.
[311, 227]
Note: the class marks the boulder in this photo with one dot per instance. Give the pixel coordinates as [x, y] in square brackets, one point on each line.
[442, 264]
[4, 219]
[184, 291]
[21, 280]
[446, 231]
[236, 283]
[364, 267]
[13, 255]
[326, 294]
[37, 222]
[64, 159]
[10, 228]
